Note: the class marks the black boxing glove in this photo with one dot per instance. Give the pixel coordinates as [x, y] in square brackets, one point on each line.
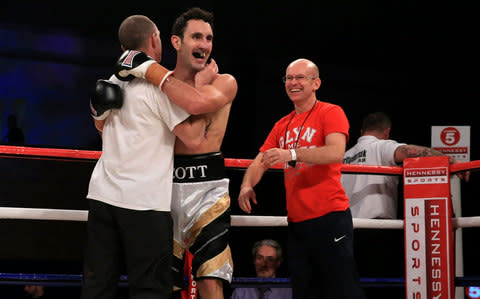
[135, 64]
[107, 96]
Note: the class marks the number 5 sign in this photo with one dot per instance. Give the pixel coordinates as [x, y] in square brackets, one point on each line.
[452, 141]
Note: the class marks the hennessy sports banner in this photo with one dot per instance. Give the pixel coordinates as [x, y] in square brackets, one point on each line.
[428, 229]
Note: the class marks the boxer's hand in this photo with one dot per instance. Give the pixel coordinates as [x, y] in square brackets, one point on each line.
[206, 76]
[246, 193]
[132, 64]
[107, 96]
[135, 64]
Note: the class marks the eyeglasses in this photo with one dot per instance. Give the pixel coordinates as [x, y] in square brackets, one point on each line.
[267, 259]
[299, 78]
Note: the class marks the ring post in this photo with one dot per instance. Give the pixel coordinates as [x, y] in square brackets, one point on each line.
[429, 253]
[457, 233]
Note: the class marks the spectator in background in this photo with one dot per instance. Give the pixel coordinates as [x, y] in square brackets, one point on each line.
[267, 258]
[34, 291]
[14, 134]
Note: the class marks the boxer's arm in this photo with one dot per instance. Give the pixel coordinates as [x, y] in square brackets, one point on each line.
[204, 99]
[253, 175]
[191, 131]
[254, 172]
[207, 98]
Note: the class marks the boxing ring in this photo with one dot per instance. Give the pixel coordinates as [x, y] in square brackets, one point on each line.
[418, 179]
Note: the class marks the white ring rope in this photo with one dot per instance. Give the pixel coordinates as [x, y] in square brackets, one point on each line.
[237, 220]
[43, 214]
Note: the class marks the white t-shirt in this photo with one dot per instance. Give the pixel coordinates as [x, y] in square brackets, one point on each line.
[135, 170]
[372, 196]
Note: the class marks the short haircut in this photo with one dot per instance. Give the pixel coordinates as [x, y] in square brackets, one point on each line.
[377, 121]
[134, 32]
[194, 13]
[268, 242]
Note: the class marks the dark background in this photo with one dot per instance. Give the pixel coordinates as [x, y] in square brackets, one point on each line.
[415, 60]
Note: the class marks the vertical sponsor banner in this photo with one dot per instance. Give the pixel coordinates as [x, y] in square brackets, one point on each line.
[415, 249]
[191, 291]
[429, 254]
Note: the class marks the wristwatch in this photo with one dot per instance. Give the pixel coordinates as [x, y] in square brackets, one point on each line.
[293, 162]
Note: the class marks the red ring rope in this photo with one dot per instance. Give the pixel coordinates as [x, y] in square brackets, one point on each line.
[6, 150]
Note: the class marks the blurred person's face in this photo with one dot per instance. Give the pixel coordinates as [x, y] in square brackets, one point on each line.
[266, 262]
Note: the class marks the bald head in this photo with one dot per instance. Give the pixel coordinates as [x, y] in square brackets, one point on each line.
[135, 31]
[310, 67]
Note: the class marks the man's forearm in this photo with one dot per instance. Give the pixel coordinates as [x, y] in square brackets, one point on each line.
[254, 173]
[189, 98]
[326, 154]
[413, 151]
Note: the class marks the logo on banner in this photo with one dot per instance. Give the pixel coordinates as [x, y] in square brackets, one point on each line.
[417, 176]
[472, 292]
[450, 136]
[453, 141]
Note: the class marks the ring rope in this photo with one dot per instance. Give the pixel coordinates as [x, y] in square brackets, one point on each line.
[76, 280]
[16, 151]
[237, 220]
[12, 151]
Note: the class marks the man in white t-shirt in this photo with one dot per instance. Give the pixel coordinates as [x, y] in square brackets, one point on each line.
[372, 196]
[376, 196]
